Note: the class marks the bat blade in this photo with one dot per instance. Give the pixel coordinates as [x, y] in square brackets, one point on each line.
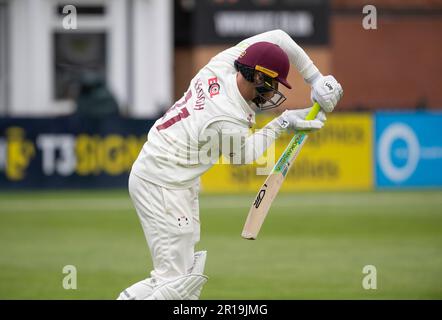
[270, 188]
[261, 206]
[273, 183]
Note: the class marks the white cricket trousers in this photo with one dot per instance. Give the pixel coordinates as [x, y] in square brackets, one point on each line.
[171, 225]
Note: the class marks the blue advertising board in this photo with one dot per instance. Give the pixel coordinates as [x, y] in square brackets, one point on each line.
[69, 152]
[408, 149]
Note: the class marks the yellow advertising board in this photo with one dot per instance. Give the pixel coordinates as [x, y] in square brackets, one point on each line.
[338, 157]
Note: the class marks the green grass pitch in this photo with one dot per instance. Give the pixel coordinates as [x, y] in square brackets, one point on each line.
[312, 245]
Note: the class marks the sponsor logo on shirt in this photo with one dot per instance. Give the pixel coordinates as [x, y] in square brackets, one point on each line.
[214, 86]
[200, 98]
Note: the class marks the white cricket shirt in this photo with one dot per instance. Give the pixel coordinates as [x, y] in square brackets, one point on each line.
[189, 138]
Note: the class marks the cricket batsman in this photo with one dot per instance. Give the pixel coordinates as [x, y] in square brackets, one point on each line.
[220, 102]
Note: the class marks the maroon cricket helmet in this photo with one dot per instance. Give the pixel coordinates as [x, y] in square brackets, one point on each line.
[268, 58]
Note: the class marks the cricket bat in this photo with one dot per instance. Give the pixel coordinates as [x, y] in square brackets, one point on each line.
[271, 186]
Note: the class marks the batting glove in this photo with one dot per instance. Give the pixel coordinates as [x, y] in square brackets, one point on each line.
[327, 92]
[295, 119]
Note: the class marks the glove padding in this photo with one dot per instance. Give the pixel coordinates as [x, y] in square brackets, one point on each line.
[295, 119]
[327, 92]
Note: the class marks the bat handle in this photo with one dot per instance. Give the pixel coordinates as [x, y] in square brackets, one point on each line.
[313, 112]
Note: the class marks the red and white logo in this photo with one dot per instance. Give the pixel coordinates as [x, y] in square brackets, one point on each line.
[213, 86]
[200, 97]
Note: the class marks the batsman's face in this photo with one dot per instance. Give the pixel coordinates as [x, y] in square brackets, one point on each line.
[267, 93]
[272, 87]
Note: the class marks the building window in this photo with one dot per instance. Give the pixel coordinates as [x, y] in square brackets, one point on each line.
[76, 56]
